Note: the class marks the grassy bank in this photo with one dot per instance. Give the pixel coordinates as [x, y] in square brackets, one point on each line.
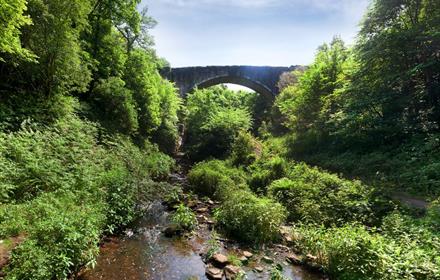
[63, 187]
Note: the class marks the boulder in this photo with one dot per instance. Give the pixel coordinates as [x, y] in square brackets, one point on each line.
[243, 259]
[266, 259]
[293, 258]
[219, 260]
[231, 271]
[202, 210]
[192, 204]
[259, 269]
[247, 254]
[214, 273]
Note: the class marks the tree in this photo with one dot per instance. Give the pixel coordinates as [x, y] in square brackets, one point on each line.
[301, 104]
[216, 115]
[54, 37]
[13, 18]
[399, 55]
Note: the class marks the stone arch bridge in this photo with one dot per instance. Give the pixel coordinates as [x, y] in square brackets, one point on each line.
[262, 79]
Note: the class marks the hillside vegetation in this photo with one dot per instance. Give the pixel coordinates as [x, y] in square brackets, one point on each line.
[88, 127]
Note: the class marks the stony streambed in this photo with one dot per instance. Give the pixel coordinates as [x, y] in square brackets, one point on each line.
[148, 251]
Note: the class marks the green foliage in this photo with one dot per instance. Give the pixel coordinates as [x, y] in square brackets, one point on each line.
[184, 218]
[250, 218]
[61, 235]
[213, 245]
[215, 118]
[13, 18]
[301, 104]
[157, 100]
[353, 252]
[245, 149]
[19, 109]
[215, 178]
[410, 166]
[433, 216]
[276, 273]
[63, 190]
[60, 157]
[314, 196]
[115, 106]
[234, 260]
[173, 196]
[265, 171]
[397, 82]
[54, 37]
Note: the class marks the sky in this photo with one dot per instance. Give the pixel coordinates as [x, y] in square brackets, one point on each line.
[250, 32]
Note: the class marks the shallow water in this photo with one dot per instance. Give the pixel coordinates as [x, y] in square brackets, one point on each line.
[146, 253]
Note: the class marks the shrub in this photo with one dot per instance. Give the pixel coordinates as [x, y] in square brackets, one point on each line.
[143, 160]
[114, 106]
[62, 189]
[33, 160]
[121, 200]
[184, 218]
[62, 233]
[265, 171]
[215, 117]
[249, 218]
[349, 252]
[314, 196]
[433, 215]
[245, 149]
[213, 178]
[276, 273]
[353, 252]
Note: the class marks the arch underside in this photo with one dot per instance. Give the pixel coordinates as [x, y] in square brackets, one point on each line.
[254, 85]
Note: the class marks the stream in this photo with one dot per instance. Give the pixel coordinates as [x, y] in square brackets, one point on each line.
[144, 252]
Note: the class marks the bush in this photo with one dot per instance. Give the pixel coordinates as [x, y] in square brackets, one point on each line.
[353, 252]
[143, 160]
[433, 215]
[214, 178]
[64, 156]
[251, 219]
[62, 233]
[314, 196]
[114, 106]
[63, 190]
[215, 117]
[245, 149]
[265, 171]
[184, 218]
[121, 200]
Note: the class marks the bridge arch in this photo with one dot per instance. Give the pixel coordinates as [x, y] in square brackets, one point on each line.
[262, 79]
[242, 81]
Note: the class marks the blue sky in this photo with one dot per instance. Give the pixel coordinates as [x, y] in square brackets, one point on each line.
[250, 32]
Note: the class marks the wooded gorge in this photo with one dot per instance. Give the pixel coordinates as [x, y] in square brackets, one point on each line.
[90, 132]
